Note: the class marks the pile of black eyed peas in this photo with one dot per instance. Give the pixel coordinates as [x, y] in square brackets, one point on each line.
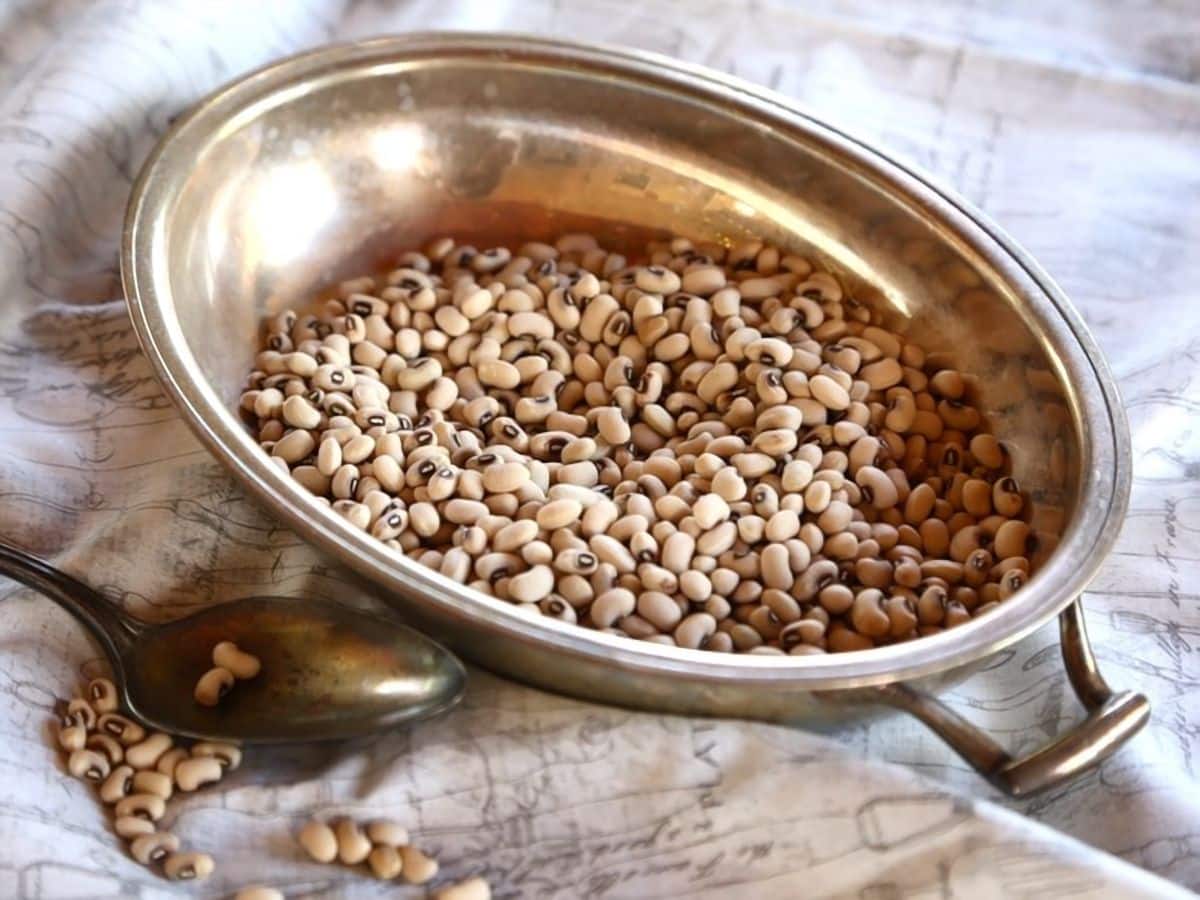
[713, 448]
[136, 773]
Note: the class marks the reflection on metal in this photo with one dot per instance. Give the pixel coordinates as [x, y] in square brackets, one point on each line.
[1111, 721]
[290, 208]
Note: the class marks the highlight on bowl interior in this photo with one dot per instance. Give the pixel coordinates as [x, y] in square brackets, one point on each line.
[712, 446]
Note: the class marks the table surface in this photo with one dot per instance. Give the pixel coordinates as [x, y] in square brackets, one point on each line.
[1076, 125]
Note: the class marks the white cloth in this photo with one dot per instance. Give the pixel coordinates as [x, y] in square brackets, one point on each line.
[1075, 124]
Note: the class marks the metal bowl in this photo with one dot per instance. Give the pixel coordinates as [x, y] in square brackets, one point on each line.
[325, 165]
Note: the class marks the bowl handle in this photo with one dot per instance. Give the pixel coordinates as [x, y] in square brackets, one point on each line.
[1112, 719]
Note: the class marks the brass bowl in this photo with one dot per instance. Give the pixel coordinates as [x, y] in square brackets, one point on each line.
[326, 164]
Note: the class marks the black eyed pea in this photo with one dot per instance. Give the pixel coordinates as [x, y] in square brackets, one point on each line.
[213, 685]
[352, 845]
[102, 695]
[907, 573]
[765, 622]
[385, 862]
[877, 488]
[931, 605]
[948, 383]
[835, 599]
[806, 650]
[659, 609]
[1012, 539]
[1011, 582]
[782, 605]
[424, 519]
[976, 567]
[559, 514]
[557, 608]
[835, 518]
[988, 451]
[531, 586]
[195, 772]
[817, 497]
[387, 833]
[875, 572]
[1006, 497]
[901, 614]
[965, 542]
[828, 392]
[151, 782]
[146, 806]
[154, 847]
[229, 656]
[576, 561]
[345, 481]
[1012, 562]
[612, 605]
[117, 785]
[130, 827]
[797, 476]
[814, 579]
[72, 736]
[867, 614]
[802, 631]
[958, 415]
[695, 630]
[294, 446]
[610, 550]
[472, 889]
[228, 755]
[767, 650]
[841, 639]
[635, 627]
[776, 567]
[107, 745]
[299, 413]
[260, 891]
[464, 512]
[318, 841]
[696, 586]
[918, 506]
[956, 614]
[977, 497]
[417, 867]
[883, 374]
[770, 352]
[188, 866]
[168, 761]
[947, 570]
[145, 753]
[81, 711]
[657, 280]
[782, 526]
[710, 510]
[729, 485]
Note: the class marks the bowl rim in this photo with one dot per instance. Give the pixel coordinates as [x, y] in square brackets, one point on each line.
[1100, 418]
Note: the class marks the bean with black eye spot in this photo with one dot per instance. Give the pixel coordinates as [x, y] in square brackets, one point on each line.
[188, 866]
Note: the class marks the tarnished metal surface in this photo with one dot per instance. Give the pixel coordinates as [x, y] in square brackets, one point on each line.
[325, 164]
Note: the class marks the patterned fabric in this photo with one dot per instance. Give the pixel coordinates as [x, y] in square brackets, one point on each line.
[1075, 125]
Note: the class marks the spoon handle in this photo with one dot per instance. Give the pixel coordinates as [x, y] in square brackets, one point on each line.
[112, 628]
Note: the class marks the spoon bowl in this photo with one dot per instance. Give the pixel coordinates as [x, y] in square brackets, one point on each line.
[329, 672]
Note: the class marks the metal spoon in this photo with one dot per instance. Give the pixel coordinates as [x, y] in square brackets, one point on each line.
[328, 671]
